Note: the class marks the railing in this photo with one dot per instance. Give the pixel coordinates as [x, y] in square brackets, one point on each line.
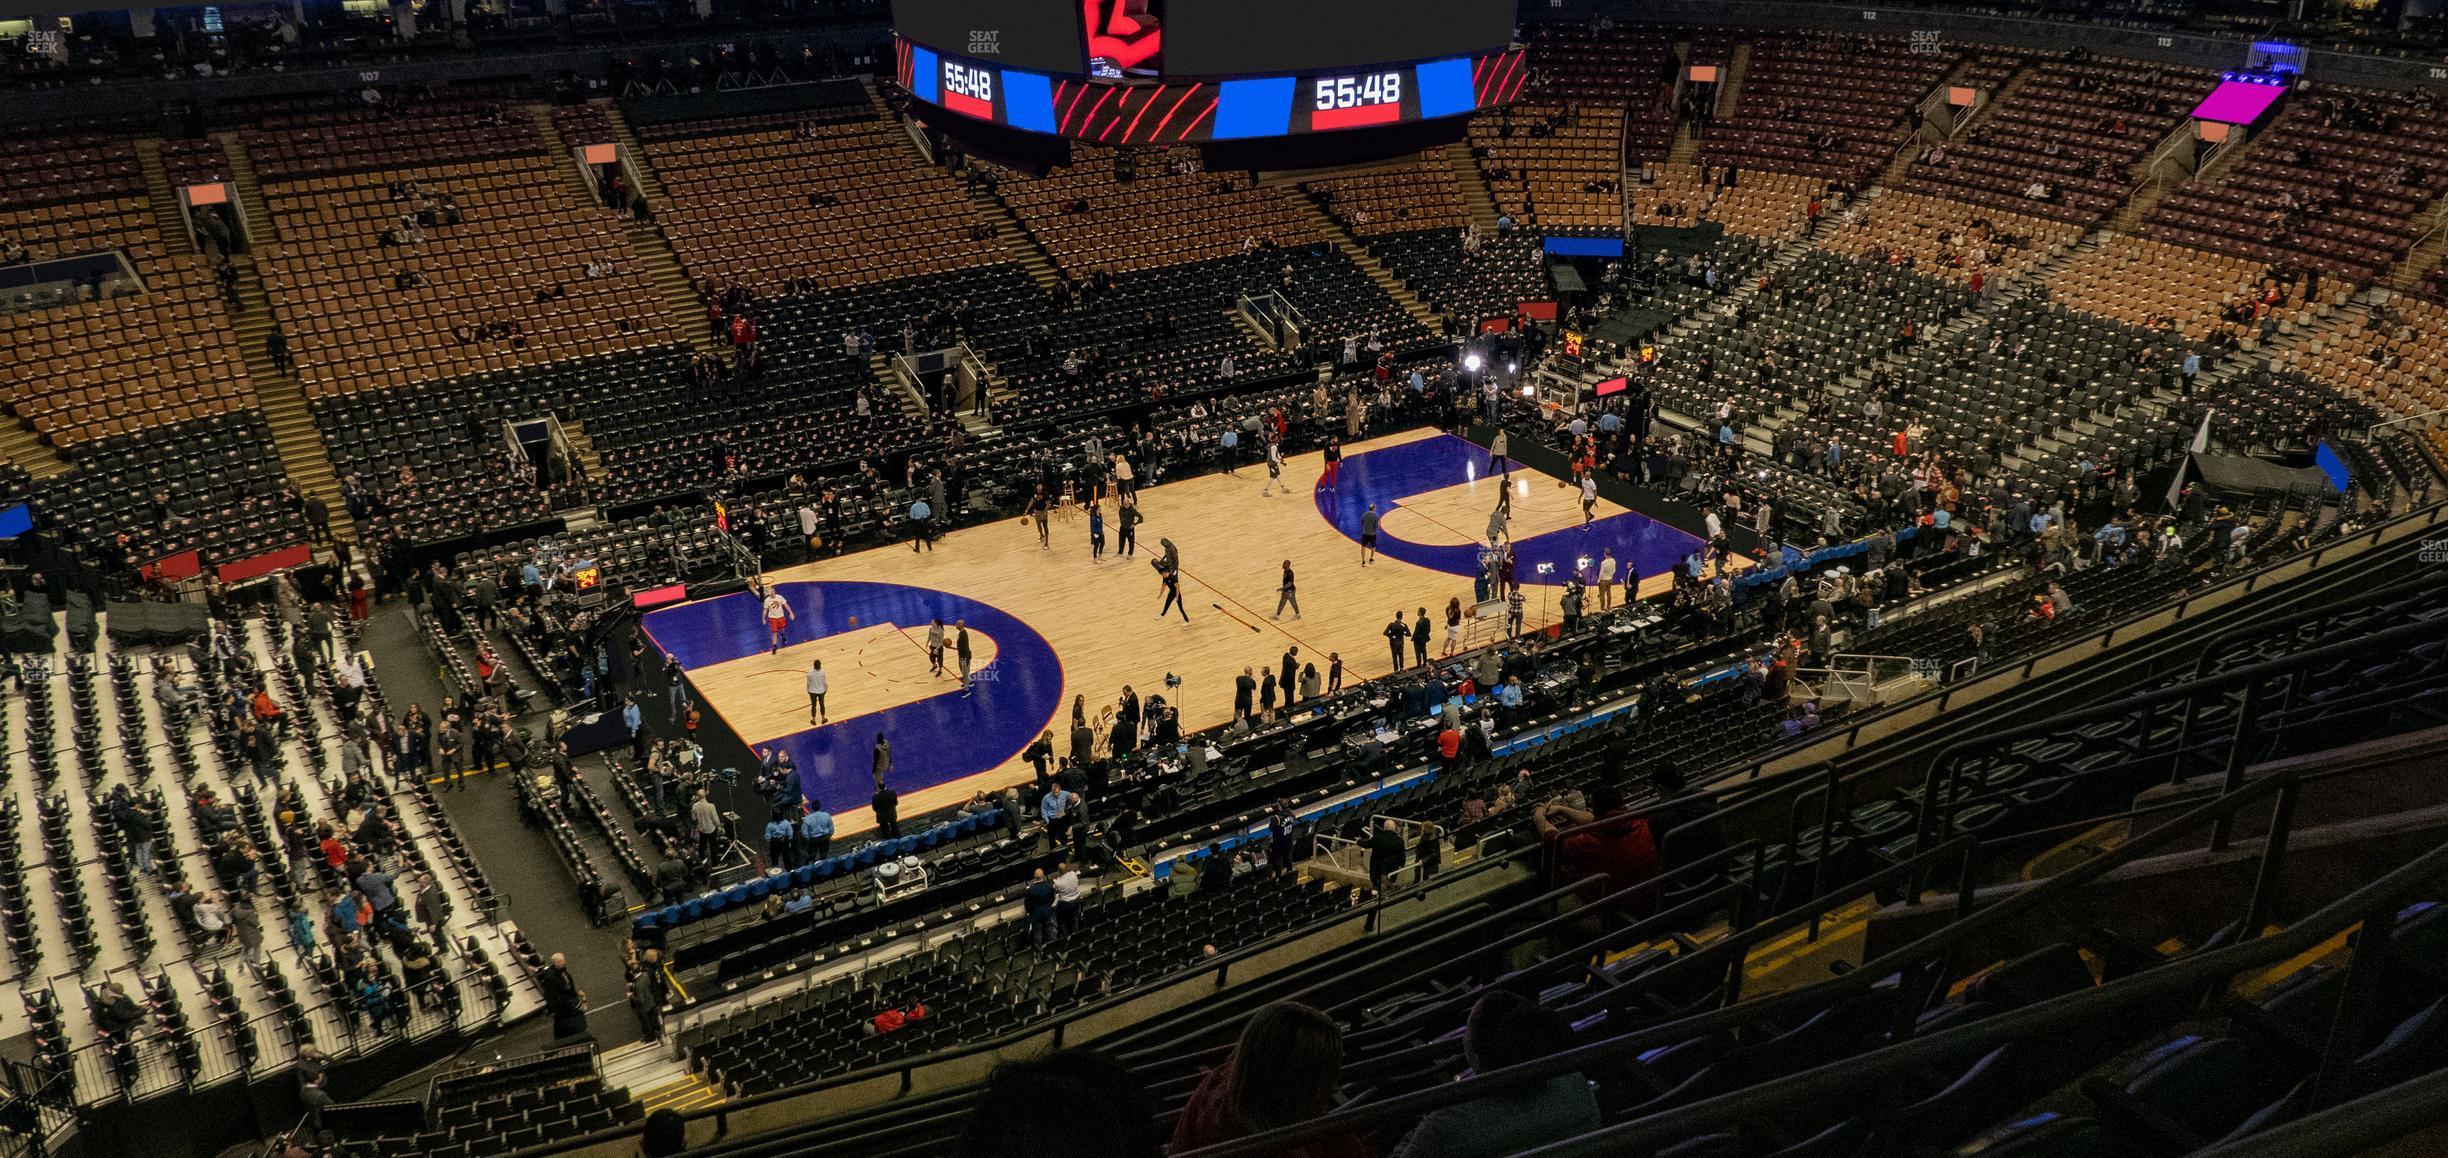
[2146, 997]
[1054, 1031]
[2257, 720]
[97, 1076]
[1929, 959]
[1858, 676]
[1999, 676]
[2163, 157]
[2428, 419]
[2368, 1124]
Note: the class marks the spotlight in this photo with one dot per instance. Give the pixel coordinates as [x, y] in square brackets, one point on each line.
[1471, 363]
[1512, 368]
[1528, 390]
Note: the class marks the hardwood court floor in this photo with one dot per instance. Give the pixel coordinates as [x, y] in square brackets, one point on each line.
[1099, 616]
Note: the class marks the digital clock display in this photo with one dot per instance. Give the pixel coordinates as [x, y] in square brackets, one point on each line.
[1342, 102]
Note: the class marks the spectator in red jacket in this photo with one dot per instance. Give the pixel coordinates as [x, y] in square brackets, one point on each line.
[892, 1017]
[1607, 860]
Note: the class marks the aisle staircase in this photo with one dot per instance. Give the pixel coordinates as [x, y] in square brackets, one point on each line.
[1015, 237]
[260, 226]
[654, 249]
[2150, 193]
[281, 397]
[25, 450]
[590, 460]
[1686, 147]
[2427, 254]
[1900, 165]
[167, 211]
[1376, 270]
[913, 403]
[1729, 96]
[1477, 199]
[563, 162]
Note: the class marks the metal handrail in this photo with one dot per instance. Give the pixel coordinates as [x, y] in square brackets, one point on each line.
[1939, 783]
[905, 1069]
[2372, 906]
[2350, 1128]
[2180, 604]
[1925, 950]
[2428, 419]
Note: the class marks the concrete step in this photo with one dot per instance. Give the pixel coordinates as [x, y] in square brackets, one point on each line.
[652, 246]
[1477, 199]
[559, 149]
[28, 452]
[167, 212]
[590, 460]
[1334, 232]
[1015, 237]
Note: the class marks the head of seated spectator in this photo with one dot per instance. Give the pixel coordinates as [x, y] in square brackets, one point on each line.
[1283, 1071]
[666, 1134]
[1506, 1030]
[1075, 1104]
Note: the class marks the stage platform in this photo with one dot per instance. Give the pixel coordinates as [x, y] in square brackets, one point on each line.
[1051, 625]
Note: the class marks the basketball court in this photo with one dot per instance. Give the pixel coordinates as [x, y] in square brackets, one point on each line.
[1047, 626]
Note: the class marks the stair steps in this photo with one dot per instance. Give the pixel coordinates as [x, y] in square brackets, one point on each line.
[2150, 193]
[654, 250]
[563, 162]
[167, 211]
[2426, 255]
[1016, 238]
[1729, 95]
[590, 460]
[913, 403]
[281, 397]
[259, 223]
[26, 450]
[1477, 200]
[1376, 270]
[1900, 165]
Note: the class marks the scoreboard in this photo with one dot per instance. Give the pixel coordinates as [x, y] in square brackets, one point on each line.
[1169, 71]
[1106, 111]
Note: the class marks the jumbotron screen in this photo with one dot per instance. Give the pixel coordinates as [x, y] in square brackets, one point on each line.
[1139, 112]
[1225, 38]
[1039, 35]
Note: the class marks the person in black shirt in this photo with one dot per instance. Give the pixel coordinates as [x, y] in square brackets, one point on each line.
[1678, 845]
[1396, 634]
[1173, 597]
[887, 806]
